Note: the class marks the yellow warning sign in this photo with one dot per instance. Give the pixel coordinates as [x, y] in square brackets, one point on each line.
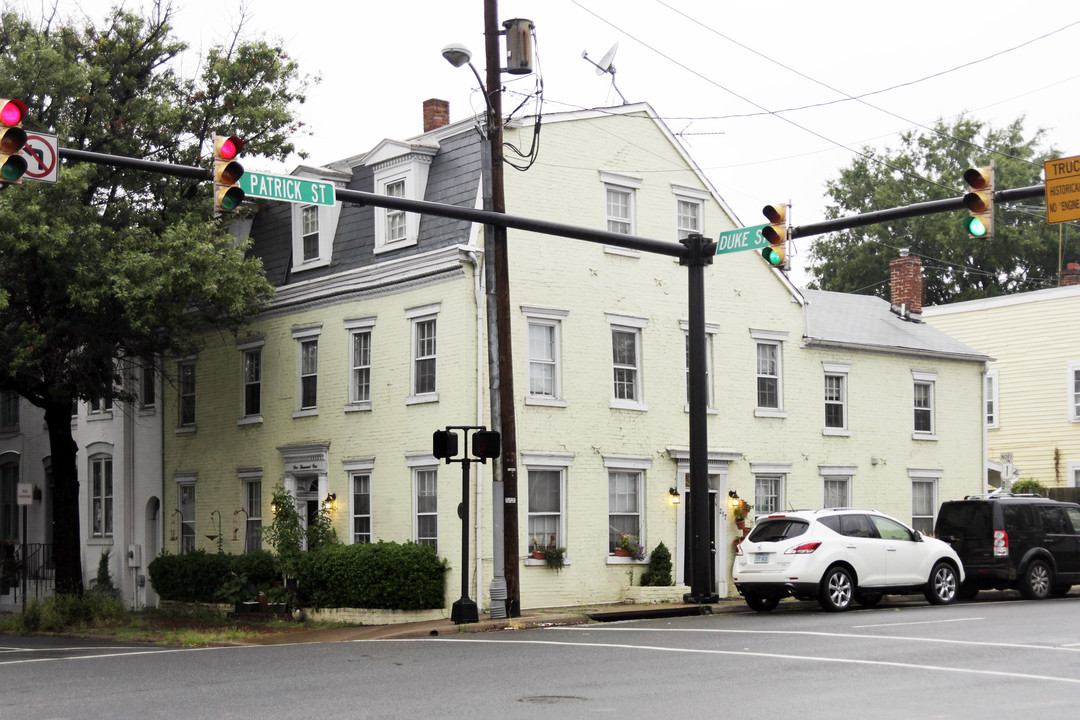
[1062, 189]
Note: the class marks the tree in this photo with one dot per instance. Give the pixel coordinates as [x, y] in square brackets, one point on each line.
[1022, 255]
[111, 268]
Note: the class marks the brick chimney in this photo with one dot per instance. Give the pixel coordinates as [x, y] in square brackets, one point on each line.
[1070, 275]
[436, 114]
[906, 277]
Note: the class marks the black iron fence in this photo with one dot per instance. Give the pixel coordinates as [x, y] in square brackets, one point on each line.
[32, 562]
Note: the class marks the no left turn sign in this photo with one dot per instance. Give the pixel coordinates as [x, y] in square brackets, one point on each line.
[42, 157]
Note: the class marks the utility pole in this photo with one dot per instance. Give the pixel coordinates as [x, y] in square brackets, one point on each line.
[507, 423]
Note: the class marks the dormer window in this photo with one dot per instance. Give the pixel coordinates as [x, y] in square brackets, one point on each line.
[314, 225]
[400, 170]
[309, 221]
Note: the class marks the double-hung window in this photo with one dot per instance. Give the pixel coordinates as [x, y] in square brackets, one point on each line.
[924, 500]
[545, 372]
[307, 345]
[9, 410]
[923, 391]
[689, 210]
[395, 219]
[768, 494]
[1074, 391]
[361, 490]
[620, 208]
[836, 405]
[359, 363]
[101, 497]
[545, 508]
[710, 330]
[424, 380]
[186, 506]
[768, 349]
[309, 234]
[147, 387]
[9, 503]
[253, 518]
[251, 379]
[836, 482]
[626, 362]
[990, 390]
[624, 507]
[425, 485]
[185, 370]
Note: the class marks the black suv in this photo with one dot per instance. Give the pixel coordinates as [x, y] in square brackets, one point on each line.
[1026, 542]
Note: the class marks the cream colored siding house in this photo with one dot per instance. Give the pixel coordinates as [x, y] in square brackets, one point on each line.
[377, 338]
[1031, 404]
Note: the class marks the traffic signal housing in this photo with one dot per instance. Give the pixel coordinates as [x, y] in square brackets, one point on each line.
[979, 201]
[776, 233]
[486, 444]
[444, 444]
[227, 174]
[12, 140]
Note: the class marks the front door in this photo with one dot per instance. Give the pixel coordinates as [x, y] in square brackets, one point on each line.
[307, 503]
[688, 542]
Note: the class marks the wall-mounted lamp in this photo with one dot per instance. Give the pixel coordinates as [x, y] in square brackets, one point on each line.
[328, 503]
[734, 498]
[675, 497]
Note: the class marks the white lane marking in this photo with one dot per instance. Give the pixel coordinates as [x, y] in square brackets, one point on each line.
[920, 622]
[859, 636]
[26, 661]
[776, 656]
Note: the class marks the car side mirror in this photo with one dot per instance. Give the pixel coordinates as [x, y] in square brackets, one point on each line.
[918, 536]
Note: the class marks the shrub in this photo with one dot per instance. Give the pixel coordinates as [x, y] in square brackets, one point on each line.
[1028, 485]
[379, 575]
[659, 571]
[103, 582]
[192, 577]
[63, 612]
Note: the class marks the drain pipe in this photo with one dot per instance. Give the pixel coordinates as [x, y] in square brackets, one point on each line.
[479, 299]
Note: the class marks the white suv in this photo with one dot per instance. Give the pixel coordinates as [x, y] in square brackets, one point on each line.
[840, 555]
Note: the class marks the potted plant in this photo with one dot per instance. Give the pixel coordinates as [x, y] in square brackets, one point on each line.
[555, 557]
[626, 546]
[539, 548]
[741, 512]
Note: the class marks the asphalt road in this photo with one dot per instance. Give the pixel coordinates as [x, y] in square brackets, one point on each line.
[987, 659]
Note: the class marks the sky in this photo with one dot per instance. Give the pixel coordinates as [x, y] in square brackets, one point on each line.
[725, 77]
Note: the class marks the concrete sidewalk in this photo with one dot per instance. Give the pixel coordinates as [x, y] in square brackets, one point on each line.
[531, 618]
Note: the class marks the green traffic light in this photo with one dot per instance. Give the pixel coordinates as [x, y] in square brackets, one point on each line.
[772, 256]
[975, 226]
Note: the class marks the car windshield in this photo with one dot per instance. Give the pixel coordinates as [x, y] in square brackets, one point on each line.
[776, 529]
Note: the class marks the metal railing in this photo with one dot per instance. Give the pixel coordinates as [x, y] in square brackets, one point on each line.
[32, 562]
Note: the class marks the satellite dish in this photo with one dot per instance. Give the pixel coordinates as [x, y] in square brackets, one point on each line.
[605, 66]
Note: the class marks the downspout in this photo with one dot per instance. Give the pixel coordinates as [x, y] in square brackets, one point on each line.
[479, 299]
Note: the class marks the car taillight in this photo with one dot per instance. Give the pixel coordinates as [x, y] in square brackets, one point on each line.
[804, 549]
[1001, 543]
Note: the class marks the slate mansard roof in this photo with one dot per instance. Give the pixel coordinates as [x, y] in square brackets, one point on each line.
[865, 322]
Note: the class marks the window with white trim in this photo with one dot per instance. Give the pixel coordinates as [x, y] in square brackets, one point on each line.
[624, 506]
[361, 506]
[395, 219]
[100, 406]
[185, 371]
[837, 491]
[627, 390]
[689, 210]
[307, 369]
[309, 232]
[424, 366]
[360, 331]
[253, 515]
[835, 400]
[545, 508]
[252, 382]
[710, 330]
[147, 387]
[768, 493]
[990, 397]
[769, 367]
[923, 391]
[545, 355]
[101, 497]
[923, 504]
[426, 493]
[186, 504]
[399, 170]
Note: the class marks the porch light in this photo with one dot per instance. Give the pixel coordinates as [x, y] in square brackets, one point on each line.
[328, 503]
[675, 497]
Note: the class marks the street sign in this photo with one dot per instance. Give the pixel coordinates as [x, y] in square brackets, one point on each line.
[287, 189]
[41, 156]
[747, 238]
[25, 493]
[1062, 189]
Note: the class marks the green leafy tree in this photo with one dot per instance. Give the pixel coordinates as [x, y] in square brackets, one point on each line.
[1022, 255]
[112, 267]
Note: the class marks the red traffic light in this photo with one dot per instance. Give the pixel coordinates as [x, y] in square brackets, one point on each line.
[12, 112]
[227, 148]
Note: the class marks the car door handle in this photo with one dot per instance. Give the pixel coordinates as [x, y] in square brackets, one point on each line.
[852, 547]
[891, 549]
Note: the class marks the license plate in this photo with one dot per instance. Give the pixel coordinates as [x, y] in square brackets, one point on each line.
[761, 558]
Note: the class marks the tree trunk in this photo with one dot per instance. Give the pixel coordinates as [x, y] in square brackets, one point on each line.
[66, 549]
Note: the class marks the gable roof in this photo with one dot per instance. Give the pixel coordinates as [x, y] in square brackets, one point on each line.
[865, 322]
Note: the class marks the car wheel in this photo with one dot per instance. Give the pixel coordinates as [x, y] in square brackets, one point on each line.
[1060, 589]
[941, 589]
[968, 591]
[1036, 582]
[837, 590]
[762, 603]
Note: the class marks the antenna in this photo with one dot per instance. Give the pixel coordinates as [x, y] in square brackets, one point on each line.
[606, 66]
